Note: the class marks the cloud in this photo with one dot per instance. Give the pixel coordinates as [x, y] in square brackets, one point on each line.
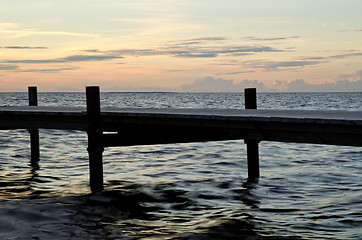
[176, 70]
[47, 70]
[193, 48]
[5, 67]
[14, 30]
[88, 58]
[252, 38]
[349, 30]
[346, 83]
[345, 55]
[336, 56]
[354, 77]
[69, 59]
[210, 84]
[195, 55]
[196, 40]
[198, 47]
[16, 33]
[23, 47]
[8, 25]
[281, 65]
[15, 68]
[91, 50]
[289, 64]
[347, 86]
[299, 85]
[239, 72]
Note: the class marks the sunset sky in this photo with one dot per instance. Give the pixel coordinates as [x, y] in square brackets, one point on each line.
[181, 45]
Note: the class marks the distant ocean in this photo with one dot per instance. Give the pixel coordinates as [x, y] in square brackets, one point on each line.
[181, 191]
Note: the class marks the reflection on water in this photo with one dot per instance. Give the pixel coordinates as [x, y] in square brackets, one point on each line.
[130, 211]
[180, 191]
[184, 191]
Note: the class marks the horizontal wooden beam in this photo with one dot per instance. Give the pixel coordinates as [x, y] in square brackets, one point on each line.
[144, 134]
[156, 126]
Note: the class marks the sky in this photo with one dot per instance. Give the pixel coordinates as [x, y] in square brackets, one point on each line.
[188, 45]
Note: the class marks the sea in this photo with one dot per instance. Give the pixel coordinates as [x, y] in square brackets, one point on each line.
[181, 191]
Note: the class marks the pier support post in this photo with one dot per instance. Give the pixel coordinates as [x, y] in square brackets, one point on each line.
[252, 145]
[34, 133]
[252, 152]
[95, 146]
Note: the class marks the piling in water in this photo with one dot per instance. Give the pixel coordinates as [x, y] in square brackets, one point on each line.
[34, 133]
[95, 133]
[252, 145]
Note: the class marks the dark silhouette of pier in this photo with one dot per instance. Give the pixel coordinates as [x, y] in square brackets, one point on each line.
[110, 127]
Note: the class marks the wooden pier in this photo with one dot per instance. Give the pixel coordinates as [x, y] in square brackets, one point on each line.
[109, 127]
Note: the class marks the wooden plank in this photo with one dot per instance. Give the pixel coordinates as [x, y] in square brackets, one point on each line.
[43, 117]
[149, 133]
[277, 115]
[322, 127]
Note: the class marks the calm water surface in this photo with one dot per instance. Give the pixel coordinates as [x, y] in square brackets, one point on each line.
[181, 191]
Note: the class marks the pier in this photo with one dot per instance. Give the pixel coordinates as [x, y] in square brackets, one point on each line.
[112, 127]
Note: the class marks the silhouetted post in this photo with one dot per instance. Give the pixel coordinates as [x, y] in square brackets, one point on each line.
[34, 133]
[252, 145]
[33, 96]
[94, 131]
[250, 98]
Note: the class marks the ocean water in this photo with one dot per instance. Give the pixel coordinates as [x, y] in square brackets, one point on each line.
[181, 191]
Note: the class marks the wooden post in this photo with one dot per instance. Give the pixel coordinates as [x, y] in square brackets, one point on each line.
[252, 145]
[252, 151]
[34, 133]
[250, 98]
[94, 131]
[33, 96]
